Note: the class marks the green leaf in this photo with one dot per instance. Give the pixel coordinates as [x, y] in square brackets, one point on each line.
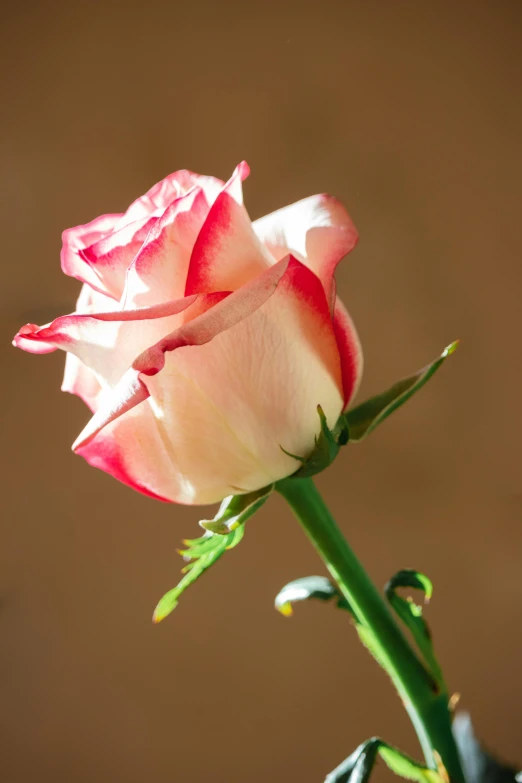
[410, 578]
[307, 587]
[358, 767]
[406, 767]
[363, 419]
[411, 615]
[223, 532]
[325, 450]
[235, 510]
[203, 553]
[479, 766]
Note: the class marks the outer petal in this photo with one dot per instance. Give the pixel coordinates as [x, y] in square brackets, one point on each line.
[105, 342]
[350, 351]
[227, 253]
[88, 302]
[217, 399]
[317, 230]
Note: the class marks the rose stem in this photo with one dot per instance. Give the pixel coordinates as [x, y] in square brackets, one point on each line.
[427, 707]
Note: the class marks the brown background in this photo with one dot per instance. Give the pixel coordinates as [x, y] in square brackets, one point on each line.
[411, 113]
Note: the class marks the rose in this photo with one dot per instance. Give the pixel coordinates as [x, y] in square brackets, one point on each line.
[203, 342]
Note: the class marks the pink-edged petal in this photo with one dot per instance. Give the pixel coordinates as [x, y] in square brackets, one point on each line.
[215, 401]
[159, 270]
[317, 230]
[106, 342]
[227, 254]
[121, 450]
[350, 351]
[75, 240]
[88, 301]
[110, 257]
[24, 339]
[160, 195]
[100, 252]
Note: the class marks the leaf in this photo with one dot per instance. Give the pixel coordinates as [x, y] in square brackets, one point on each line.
[203, 553]
[325, 450]
[305, 588]
[406, 767]
[223, 532]
[410, 578]
[479, 766]
[363, 419]
[411, 615]
[358, 767]
[235, 510]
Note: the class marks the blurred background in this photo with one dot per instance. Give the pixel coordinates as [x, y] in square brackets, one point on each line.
[410, 113]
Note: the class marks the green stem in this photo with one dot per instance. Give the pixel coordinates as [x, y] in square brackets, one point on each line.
[426, 706]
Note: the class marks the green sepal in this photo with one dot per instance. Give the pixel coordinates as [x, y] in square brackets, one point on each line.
[363, 419]
[358, 767]
[235, 510]
[307, 587]
[325, 450]
[411, 615]
[479, 766]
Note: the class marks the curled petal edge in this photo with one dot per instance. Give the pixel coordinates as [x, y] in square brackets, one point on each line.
[44, 339]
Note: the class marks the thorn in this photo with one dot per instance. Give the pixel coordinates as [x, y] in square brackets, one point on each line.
[441, 769]
[454, 700]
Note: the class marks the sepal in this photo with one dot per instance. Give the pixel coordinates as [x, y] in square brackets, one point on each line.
[363, 419]
[326, 448]
[235, 510]
[358, 423]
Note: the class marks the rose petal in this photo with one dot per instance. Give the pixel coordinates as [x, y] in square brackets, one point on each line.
[100, 252]
[350, 352]
[81, 381]
[317, 230]
[207, 431]
[105, 342]
[160, 195]
[221, 313]
[159, 270]
[227, 253]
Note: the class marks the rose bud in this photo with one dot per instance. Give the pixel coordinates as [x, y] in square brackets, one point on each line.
[202, 342]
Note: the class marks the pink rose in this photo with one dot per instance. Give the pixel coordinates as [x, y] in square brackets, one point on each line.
[203, 342]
